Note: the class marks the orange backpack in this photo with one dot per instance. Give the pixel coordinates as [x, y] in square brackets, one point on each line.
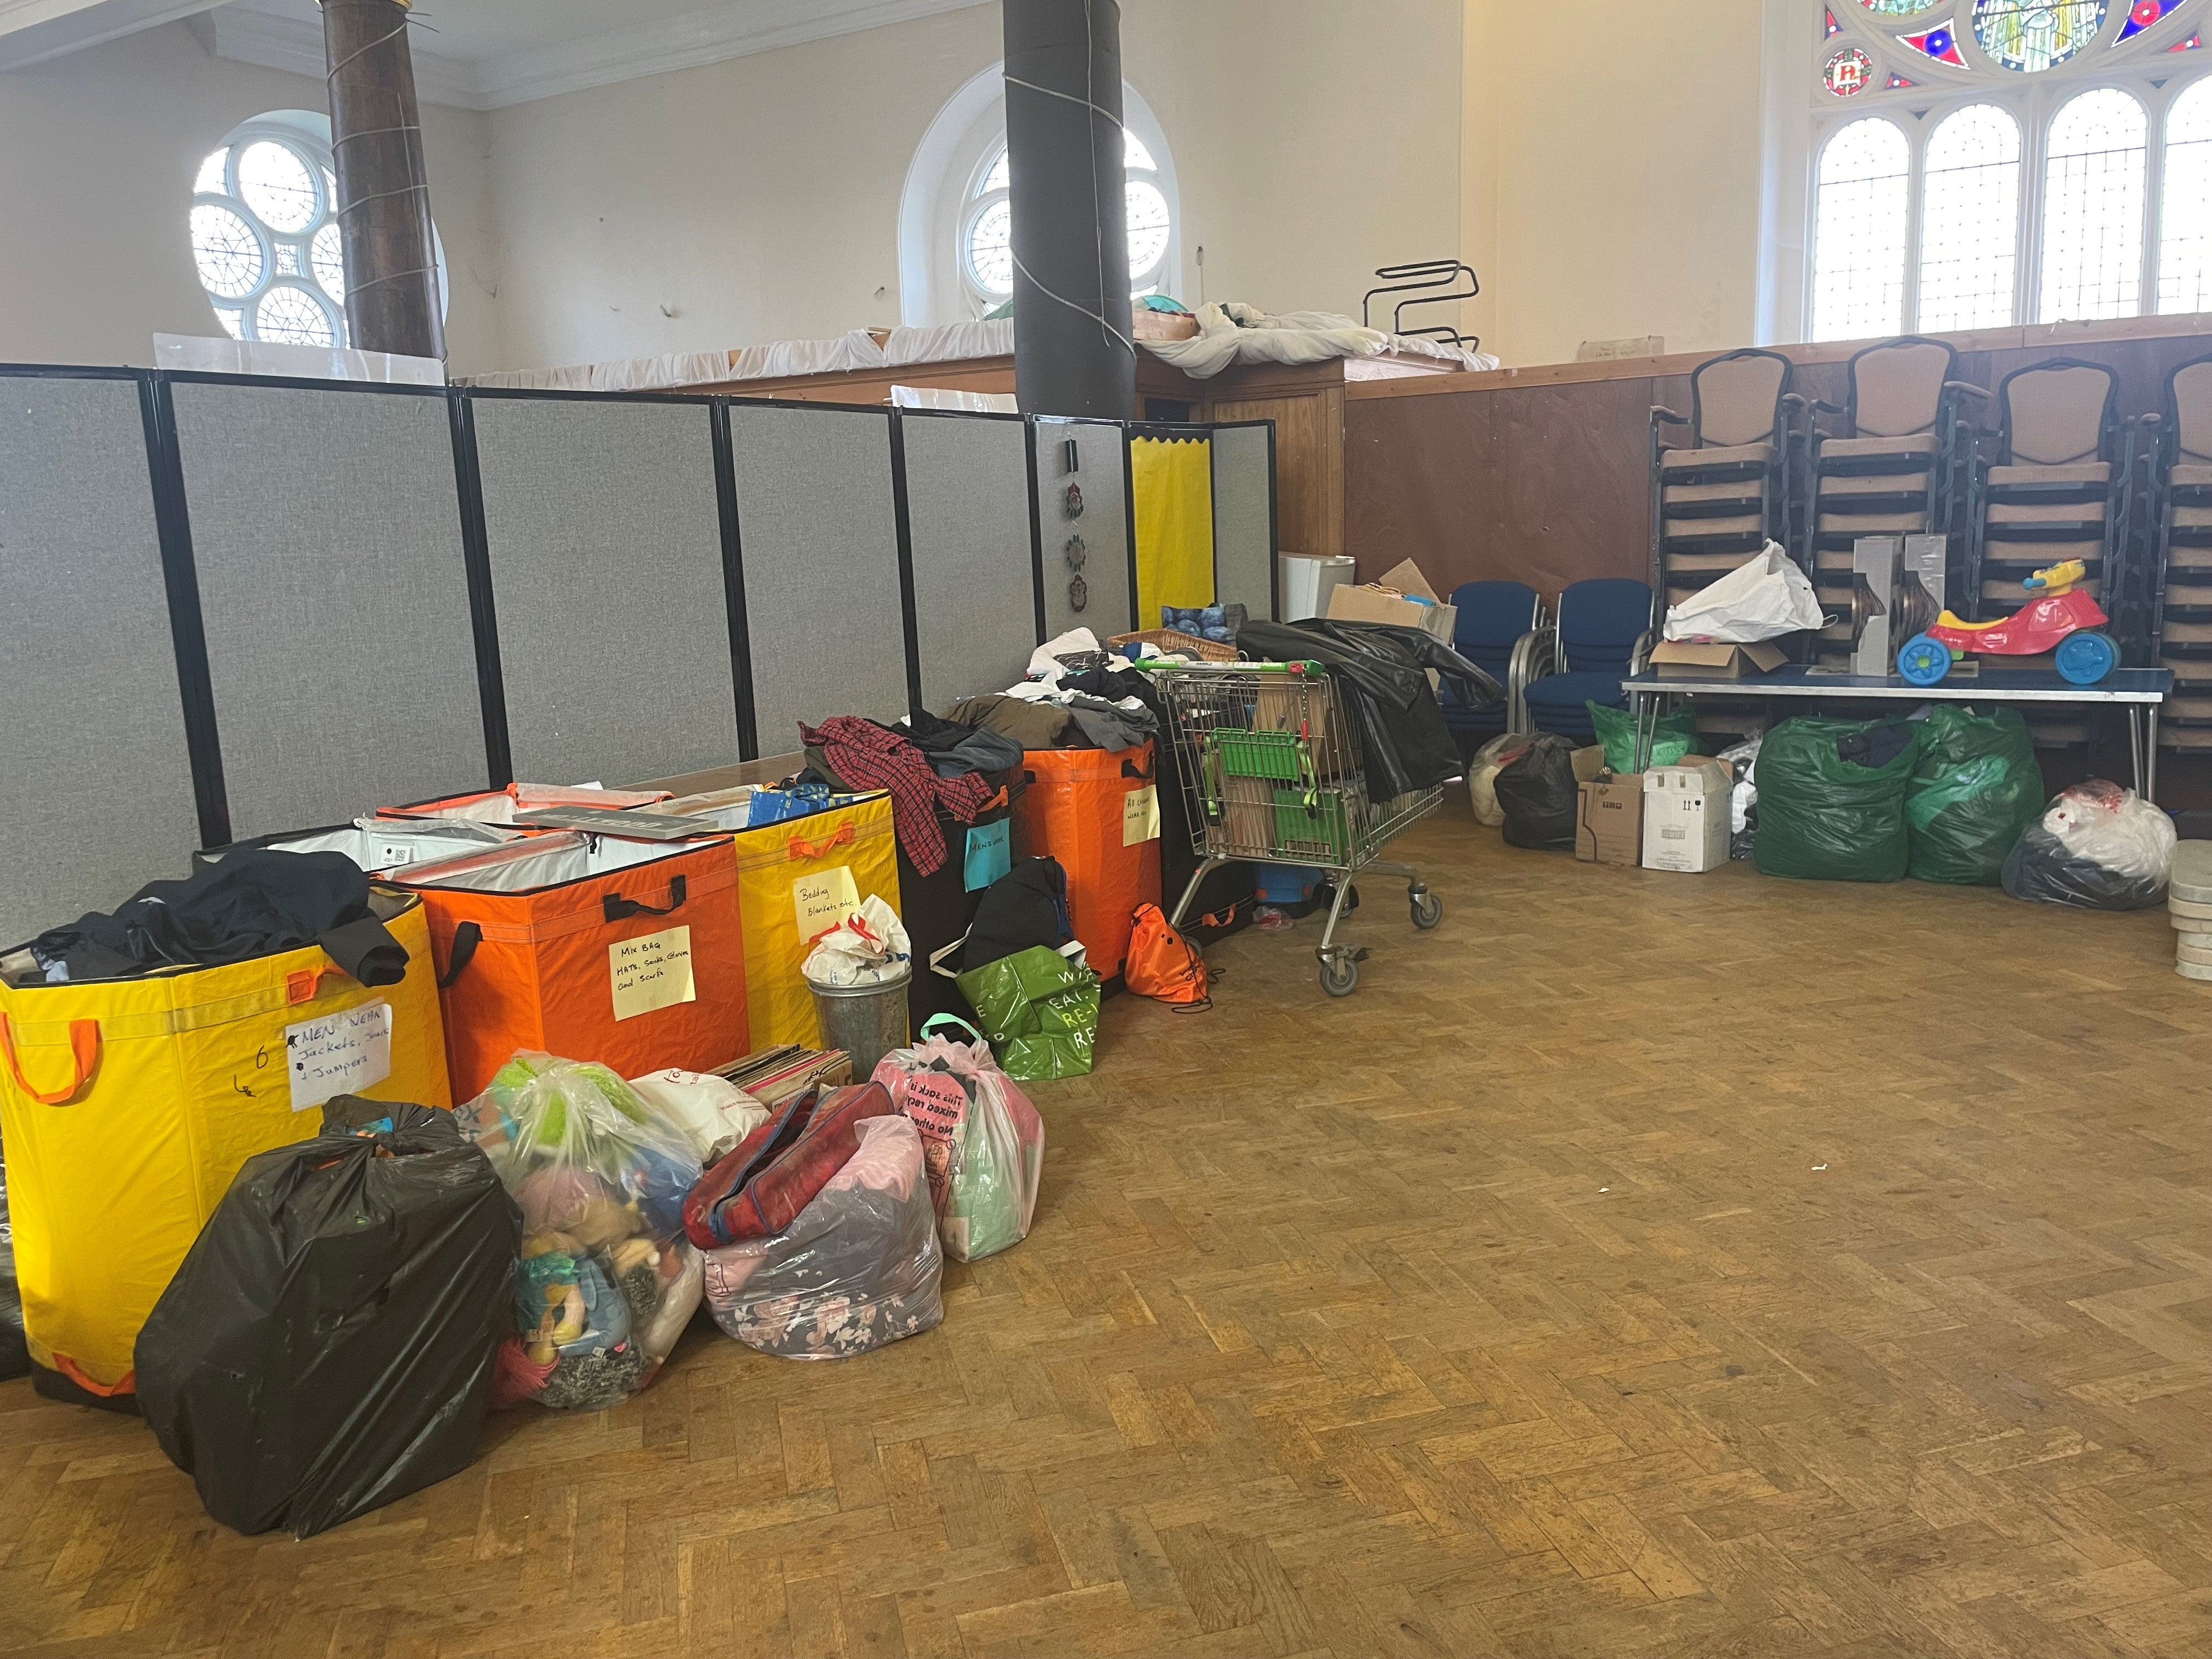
[1162, 964]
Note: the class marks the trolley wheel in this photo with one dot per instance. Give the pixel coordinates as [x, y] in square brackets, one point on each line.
[1428, 908]
[1339, 975]
[2086, 658]
[1923, 661]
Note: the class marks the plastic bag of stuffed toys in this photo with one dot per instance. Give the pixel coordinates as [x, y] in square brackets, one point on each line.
[2097, 847]
[608, 1282]
[859, 1268]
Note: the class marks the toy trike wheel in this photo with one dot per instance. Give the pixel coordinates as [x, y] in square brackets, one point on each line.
[1339, 975]
[2084, 659]
[1428, 908]
[1923, 659]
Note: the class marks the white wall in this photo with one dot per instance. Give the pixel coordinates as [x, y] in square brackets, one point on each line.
[97, 155]
[757, 199]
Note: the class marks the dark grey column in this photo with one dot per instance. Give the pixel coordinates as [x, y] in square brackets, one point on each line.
[384, 189]
[1072, 350]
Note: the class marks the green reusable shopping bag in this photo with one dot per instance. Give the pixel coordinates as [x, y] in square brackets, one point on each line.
[1674, 735]
[1039, 1011]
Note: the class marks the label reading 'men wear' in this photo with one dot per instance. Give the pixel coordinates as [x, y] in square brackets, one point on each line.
[652, 972]
[338, 1055]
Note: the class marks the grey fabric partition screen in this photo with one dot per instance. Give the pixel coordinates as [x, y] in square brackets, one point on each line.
[974, 581]
[1102, 473]
[334, 594]
[820, 537]
[98, 781]
[1244, 517]
[605, 546]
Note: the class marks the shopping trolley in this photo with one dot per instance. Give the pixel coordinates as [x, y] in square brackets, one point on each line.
[1271, 771]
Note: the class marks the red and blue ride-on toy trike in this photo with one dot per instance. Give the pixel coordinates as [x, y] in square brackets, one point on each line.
[2058, 616]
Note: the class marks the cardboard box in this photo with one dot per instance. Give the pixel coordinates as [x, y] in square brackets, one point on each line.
[1685, 816]
[1386, 601]
[1248, 818]
[1694, 659]
[1286, 704]
[1609, 820]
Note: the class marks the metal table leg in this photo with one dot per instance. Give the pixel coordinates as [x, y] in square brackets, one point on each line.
[2150, 752]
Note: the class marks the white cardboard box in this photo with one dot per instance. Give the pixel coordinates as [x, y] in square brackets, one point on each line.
[1685, 816]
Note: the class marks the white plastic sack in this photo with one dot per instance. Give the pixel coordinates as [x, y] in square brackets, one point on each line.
[1745, 794]
[2116, 828]
[1762, 598]
[1482, 776]
[713, 1112]
[869, 947]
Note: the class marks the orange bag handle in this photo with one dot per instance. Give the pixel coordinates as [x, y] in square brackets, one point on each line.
[799, 847]
[84, 1048]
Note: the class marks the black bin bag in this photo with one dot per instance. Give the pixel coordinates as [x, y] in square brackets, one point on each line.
[327, 1345]
[1538, 794]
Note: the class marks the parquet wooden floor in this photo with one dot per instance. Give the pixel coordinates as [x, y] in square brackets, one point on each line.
[1641, 1264]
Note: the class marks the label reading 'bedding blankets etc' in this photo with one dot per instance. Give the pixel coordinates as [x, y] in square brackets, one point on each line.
[822, 900]
[651, 972]
[338, 1055]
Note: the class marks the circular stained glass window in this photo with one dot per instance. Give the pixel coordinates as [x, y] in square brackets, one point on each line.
[1849, 72]
[227, 252]
[1896, 8]
[2030, 35]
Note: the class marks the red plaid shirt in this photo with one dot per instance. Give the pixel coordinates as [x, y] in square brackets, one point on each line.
[867, 756]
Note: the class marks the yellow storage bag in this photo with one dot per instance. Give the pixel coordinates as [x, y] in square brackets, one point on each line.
[796, 880]
[127, 1105]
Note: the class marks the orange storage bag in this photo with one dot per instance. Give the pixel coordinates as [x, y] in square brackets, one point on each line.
[628, 953]
[1096, 810]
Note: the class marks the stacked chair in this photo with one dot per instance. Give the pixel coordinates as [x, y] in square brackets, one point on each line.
[2057, 490]
[1498, 628]
[1889, 472]
[1719, 497]
[2180, 554]
[1604, 633]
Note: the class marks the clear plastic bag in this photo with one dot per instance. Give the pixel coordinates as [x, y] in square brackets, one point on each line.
[982, 1142]
[860, 1266]
[2097, 847]
[608, 1280]
[1482, 776]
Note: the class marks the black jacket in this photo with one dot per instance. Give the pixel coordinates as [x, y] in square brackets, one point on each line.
[1382, 670]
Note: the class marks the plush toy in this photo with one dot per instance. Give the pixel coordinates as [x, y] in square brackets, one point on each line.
[567, 1307]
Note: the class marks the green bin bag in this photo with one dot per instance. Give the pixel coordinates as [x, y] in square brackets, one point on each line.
[1824, 818]
[1676, 736]
[1976, 786]
[1039, 1012]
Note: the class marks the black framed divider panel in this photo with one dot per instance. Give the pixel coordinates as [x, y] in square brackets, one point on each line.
[1108, 553]
[333, 591]
[974, 587]
[93, 743]
[819, 533]
[1244, 516]
[604, 535]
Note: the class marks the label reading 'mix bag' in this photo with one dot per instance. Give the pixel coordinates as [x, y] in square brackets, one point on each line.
[652, 972]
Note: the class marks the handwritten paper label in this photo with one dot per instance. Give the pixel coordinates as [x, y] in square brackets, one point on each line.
[935, 1103]
[652, 972]
[990, 854]
[822, 900]
[338, 1055]
[1141, 816]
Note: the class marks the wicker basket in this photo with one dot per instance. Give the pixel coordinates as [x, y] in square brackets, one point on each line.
[1175, 639]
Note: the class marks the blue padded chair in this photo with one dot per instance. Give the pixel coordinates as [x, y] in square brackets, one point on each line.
[1602, 625]
[1494, 619]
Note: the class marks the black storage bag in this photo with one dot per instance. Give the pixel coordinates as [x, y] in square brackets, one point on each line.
[1537, 793]
[938, 909]
[2040, 869]
[327, 1345]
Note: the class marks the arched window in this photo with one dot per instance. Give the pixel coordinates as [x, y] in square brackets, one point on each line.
[2184, 243]
[955, 220]
[1859, 238]
[2092, 209]
[264, 232]
[1970, 209]
[2057, 158]
[987, 237]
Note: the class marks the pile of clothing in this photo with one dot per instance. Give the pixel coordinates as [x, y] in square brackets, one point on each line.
[1076, 695]
[608, 1280]
[817, 1233]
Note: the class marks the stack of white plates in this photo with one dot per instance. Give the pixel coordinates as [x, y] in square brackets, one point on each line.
[2189, 906]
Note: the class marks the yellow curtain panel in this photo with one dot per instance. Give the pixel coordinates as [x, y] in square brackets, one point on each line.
[1173, 479]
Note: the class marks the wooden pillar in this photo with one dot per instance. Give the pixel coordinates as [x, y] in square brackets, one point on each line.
[384, 188]
[1073, 351]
